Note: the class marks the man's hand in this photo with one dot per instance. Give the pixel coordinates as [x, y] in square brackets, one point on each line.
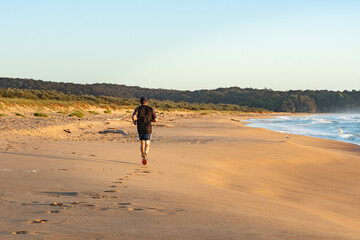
[135, 122]
[133, 117]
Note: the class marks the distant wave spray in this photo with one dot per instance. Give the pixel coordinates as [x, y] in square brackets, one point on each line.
[344, 127]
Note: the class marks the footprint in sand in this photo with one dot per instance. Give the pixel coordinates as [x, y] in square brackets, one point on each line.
[135, 209]
[57, 204]
[20, 232]
[112, 191]
[105, 196]
[100, 196]
[74, 203]
[64, 206]
[127, 204]
[37, 221]
[124, 203]
[53, 211]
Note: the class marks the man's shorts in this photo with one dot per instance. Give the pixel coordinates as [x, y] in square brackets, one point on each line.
[145, 136]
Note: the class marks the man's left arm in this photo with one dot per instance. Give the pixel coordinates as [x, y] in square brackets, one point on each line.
[154, 119]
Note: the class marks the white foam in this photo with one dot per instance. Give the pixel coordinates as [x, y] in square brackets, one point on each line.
[283, 117]
[344, 135]
[320, 121]
[323, 126]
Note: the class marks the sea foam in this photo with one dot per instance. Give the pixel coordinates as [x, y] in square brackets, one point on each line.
[340, 127]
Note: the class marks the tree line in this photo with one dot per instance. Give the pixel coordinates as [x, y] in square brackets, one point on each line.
[311, 101]
[115, 102]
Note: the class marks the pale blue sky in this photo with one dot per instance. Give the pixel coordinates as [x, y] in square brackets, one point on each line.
[202, 44]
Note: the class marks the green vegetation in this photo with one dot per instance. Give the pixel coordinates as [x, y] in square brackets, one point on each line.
[77, 114]
[2, 115]
[19, 115]
[61, 112]
[93, 113]
[107, 111]
[233, 99]
[40, 115]
[53, 99]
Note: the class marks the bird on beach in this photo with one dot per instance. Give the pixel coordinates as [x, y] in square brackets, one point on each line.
[341, 131]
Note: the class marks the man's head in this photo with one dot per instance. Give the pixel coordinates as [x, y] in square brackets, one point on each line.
[143, 101]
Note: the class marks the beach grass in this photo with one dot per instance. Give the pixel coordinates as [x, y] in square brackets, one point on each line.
[19, 115]
[84, 103]
[40, 115]
[77, 114]
[93, 112]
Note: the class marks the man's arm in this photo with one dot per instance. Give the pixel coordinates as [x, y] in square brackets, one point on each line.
[134, 115]
[154, 118]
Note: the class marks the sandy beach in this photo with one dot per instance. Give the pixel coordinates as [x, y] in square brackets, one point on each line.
[209, 177]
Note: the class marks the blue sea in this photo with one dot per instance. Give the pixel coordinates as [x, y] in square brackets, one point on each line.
[340, 127]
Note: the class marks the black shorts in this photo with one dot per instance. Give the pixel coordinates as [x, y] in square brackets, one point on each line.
[145, 136]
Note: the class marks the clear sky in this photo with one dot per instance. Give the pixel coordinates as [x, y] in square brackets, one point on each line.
[185, 44]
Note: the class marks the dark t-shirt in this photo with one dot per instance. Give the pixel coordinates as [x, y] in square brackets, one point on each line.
[145, 115]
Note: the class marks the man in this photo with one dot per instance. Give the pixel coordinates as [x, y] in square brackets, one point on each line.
[143, 116]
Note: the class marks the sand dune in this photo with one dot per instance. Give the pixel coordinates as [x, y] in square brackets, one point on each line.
[208, 177]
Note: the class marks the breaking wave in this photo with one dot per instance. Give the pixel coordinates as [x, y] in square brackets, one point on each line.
[344, 127]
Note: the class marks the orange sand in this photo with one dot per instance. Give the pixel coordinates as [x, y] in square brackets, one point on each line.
[208, 177]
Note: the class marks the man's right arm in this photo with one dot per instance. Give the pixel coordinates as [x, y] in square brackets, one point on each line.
[134, 115]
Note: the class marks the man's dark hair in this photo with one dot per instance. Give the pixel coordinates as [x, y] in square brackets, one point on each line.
[143, 100]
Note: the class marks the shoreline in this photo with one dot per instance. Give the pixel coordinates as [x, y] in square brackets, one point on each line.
[248, 123]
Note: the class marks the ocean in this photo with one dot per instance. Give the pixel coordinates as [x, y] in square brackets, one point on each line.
[340, 127]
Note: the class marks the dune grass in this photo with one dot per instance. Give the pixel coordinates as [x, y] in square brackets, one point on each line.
[47, 99]
[19, 115]
[93, 112]
[77, 114]
[81, 103]
[40, 115]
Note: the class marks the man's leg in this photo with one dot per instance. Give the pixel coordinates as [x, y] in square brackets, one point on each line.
[147, 147]
[142, 148]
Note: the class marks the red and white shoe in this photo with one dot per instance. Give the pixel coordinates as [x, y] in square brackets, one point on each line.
[144, 161]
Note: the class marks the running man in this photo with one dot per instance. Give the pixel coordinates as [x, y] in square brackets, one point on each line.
[143, 116]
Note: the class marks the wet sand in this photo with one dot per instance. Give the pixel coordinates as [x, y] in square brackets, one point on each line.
[208, 177]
